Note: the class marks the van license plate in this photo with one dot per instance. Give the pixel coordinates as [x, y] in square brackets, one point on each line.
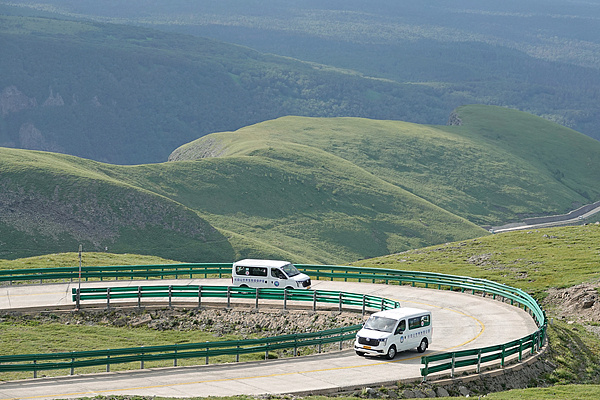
[367, 347]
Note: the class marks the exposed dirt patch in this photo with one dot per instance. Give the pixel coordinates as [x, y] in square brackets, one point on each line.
[579, 304]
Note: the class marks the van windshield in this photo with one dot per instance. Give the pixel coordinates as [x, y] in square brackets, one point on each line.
[290, 270]
[380, 324]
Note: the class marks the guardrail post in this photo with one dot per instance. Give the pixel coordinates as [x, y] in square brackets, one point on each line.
[72, 361]
[320, 344]
[315, 300]
[285, 299]
[267, 351]
[207, 348]
[364, 304]
[142, 359]
[503, 356]
[382, 303]
[257, 296]
[107, 299]
[170, 296]
[108, 362]
[228, 296]
[520, 350]
[34, 369]
[479, 361]
[78, 301]
[237, 354]
[453, 362]
[175, 356]
[340, 309]
[139, 297]
[199, 296]
[295, 345]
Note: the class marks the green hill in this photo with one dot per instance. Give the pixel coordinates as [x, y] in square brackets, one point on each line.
[305, 189]
[51, 202]
[497, 166]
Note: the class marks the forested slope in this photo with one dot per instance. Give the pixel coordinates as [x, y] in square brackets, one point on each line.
[128, 95]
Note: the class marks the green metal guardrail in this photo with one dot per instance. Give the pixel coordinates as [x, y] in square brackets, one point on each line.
[72, 360]
[231, 292]
[484, 287]
[175, 352]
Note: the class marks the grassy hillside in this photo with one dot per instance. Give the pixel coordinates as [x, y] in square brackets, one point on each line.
[304, 189]
[325, 210]
[497, 166]
[534, 260]
[51, 203]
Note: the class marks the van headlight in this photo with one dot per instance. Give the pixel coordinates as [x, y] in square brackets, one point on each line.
[383, 341]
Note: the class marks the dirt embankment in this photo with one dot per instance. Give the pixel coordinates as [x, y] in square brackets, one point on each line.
[579, 303]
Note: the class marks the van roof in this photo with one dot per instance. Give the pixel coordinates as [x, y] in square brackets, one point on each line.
[397, 313]
[250, 262]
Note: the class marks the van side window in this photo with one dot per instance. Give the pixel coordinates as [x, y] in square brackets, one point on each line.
[251, 271]
[419, 322]
[401, 326]
[258, 271]
[276, 273]
[240, 270]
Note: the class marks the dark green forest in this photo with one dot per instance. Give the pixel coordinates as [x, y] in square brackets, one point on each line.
[132, 94]
[536, 56]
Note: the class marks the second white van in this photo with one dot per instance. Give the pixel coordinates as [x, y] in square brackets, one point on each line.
[268, 274]
[391, 331]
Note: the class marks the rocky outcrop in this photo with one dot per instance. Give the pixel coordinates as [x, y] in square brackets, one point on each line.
[12, 100]
[31, 138]
[454, 119]
[54, 100]
[578, 303]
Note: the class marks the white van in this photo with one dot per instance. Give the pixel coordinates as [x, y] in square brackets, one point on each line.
[388, 332]
[268, 274]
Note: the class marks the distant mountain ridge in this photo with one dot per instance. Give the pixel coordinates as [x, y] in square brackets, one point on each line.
[326, 190]
[129, 95]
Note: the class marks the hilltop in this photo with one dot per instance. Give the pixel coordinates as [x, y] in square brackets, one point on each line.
[495, 164]
[304, 189]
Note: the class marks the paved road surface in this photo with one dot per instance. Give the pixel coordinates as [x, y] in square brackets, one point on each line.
[460, 321]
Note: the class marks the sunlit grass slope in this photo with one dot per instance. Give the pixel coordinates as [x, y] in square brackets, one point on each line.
[313, 208]
[497, 166]
[52, 203]
[534, 260]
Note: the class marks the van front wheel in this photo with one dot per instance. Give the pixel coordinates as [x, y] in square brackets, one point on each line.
[391, 352]
[423, 346]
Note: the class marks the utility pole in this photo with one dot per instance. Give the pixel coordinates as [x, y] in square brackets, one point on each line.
[79, 284]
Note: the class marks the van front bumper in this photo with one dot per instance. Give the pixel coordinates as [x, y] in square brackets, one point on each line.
[371, 350]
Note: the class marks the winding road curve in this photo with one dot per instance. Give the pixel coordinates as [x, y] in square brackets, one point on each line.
[460, 321]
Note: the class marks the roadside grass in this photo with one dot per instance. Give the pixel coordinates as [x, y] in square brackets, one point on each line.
[35, 337]
[576, 353]
[87, 258]
[533, 260]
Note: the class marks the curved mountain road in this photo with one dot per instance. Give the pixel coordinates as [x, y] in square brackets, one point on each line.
[460, 321]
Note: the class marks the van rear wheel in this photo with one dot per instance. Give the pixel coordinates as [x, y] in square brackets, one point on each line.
[423, 346]
[391, 352]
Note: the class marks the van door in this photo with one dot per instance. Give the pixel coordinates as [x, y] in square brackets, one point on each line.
[278, 279]
[400, 336]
